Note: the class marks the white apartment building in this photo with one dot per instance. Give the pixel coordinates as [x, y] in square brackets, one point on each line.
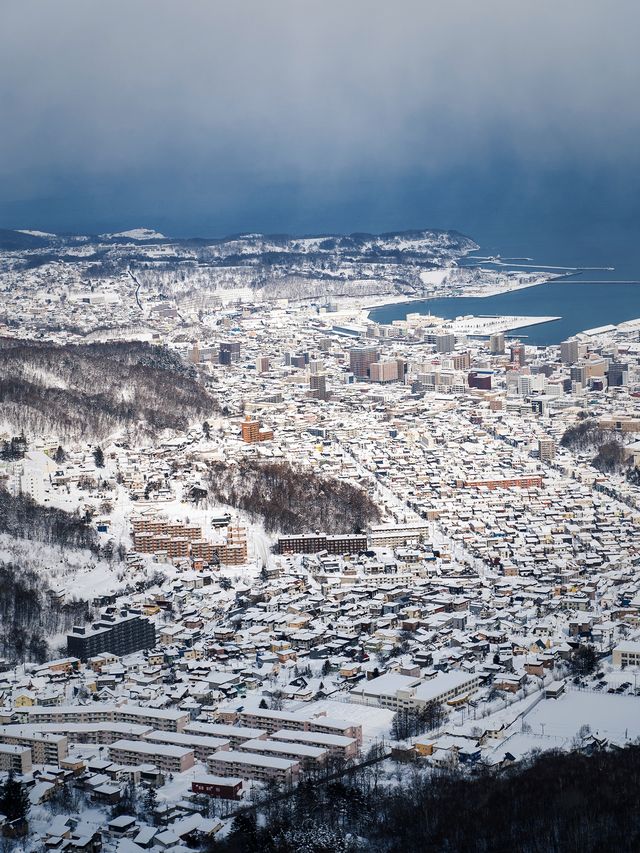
[396, 691]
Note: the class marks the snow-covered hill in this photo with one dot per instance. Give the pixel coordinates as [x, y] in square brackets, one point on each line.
[135, 234]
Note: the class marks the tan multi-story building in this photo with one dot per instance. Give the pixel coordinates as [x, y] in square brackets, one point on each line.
[15, 758]
[249, 765]
[252, 431]
[234, 551]
[383, 371]
[202, 745]
[461, 360]
[235, 735]
[309, 756]
[98, 733]
[620, 423]
[161, 524]
[166, 757]
[546, 449]
[626, 654]
[44, 747]
[311, 543]
[335, 745]
[331, 726]
[399, 692]
[361, 359]
[526, 482]
[570, 351]
[271, 721]
[166, 719]
[176, 540]
[391, 535]
[496, 343]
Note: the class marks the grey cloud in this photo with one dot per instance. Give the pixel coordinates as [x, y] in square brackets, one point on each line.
[290, 90]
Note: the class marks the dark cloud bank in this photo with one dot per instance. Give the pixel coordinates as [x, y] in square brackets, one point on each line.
[212, 117]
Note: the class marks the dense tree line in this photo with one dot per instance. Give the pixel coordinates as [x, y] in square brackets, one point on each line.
[407, 723]
[610, 457]
[585, 435]
[23, 518]
[290, 498]
[584, 660]
[633, 476]
[29, 615]
[14, 799]
[553, 803]
[96, 388]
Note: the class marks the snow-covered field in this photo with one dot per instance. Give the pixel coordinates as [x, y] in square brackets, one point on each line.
[607, 715]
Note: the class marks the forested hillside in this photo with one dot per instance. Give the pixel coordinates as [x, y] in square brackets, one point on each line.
[93, 389]
[292, 499]
[21, 517]
[30, 617]
[555, 803]
[42, 548]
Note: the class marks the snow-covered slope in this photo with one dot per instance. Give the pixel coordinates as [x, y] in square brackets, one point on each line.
[135, 234]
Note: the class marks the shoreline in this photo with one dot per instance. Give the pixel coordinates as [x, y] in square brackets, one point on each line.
[497, 324]
[496, 290]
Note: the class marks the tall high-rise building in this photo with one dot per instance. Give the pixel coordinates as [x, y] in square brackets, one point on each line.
[318, 385]
[461, 360]
[361, 359]
[445, 342]
[118, 633]
[229, 352]
[518, 354]
[496, 344]
[384, 371]
[580, 373]
[529, 384]
[569, 351]
[617, 374]
[546, 449]
[252, 431]
[262, 364]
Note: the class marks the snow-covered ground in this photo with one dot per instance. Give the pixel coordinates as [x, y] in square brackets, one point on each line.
[607, 715]
[375, 721]
[81, 572]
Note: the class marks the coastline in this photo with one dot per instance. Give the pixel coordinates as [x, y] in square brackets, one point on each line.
[485, 326]
[475, 292]
[359, 310]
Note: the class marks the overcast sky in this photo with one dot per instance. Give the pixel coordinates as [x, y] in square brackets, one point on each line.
[210, 117]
